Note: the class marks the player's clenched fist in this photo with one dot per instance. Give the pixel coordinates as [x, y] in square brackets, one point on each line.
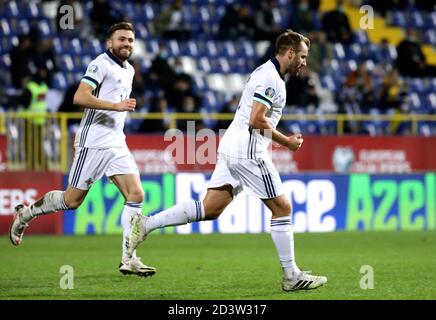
[126, 105]
[294, 142]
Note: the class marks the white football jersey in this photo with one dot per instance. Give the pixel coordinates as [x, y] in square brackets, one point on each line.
[266, 86]
[112, 82]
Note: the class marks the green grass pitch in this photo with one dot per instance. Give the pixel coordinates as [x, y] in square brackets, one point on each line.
[221, 267]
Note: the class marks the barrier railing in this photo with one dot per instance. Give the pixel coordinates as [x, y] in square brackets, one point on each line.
[46, 145]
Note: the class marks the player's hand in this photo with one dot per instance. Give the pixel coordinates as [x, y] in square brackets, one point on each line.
[126, 105]
[294, 142]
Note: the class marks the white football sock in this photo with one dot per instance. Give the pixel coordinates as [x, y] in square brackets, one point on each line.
[51, 202]
[179, 214]
[130, 209]
[283, 238]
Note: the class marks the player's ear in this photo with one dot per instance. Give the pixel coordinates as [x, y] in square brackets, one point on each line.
[291, 53]
[109, 43]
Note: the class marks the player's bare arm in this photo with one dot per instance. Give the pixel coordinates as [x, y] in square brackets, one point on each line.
[83, 97]
[259, 121]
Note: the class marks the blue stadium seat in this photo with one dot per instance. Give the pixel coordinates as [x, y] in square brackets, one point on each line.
[65, 62]
[5, 62]
[45, 27]
[192, 49]
[141, 31]
[430, 37]
[430, 22]
[75, 46]
[31, 10]
[5, 28]
[429, 102]
[211, 49]
[204, 65]
[417, 85]
[150, 11]
[338, 51]
[229, 49]
[173, 48]
[399, 19]
[210, 101]
[200, 83]
[152, 46]
[59, 81]
[11, 10]
[361, 37]
[417, 20]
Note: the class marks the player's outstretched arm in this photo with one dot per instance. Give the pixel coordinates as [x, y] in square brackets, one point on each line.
[83, 97]
[258, 121]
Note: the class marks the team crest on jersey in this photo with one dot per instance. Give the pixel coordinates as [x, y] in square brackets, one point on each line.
[270, 92]
[93, 68]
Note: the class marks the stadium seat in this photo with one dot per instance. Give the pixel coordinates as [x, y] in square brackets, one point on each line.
[5, 28]
[417, 85]
[204, 65]
[399, 19]
[339, 51]
[46, 28]
[59, 81]
[430, 22]
[200, 83]
[11, 10]
[416, 20]
[430, 37]
[361, 37]
[31, 10]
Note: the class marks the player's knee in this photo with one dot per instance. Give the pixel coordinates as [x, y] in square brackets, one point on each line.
[73, 203]
[212, 212]
[136, 195]
[286, 208]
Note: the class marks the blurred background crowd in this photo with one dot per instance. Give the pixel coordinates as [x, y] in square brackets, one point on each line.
[195, 56]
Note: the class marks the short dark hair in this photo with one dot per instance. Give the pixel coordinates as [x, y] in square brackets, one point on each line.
[120, 26]
[290, 39]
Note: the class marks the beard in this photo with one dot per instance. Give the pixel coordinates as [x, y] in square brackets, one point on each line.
[121, 54]
[294, 69]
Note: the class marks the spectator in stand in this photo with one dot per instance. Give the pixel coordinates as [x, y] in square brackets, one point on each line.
[411, 60]
[357, 96]
[237, 23]
[336, 25]
[34, 101]
[393, 91]
[31, 55]
[189, 105]
[67, 105]
[181, 87]
[266, 27]
[360, 82]
[229, 106]
[321, 51]
[160, 74]
[302, 16]
[160, 105]
[102, 16]
[300, 91]
[138, 86]
[170, 22]
[21, 61]
[43, 54]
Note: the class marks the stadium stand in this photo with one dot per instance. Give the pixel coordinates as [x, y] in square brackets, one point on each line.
[219, 67]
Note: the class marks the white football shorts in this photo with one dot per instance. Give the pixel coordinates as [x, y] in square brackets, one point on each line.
[258, 177]
[89, 165]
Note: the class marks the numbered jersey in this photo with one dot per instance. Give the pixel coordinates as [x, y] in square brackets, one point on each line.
[266, 86]
[112, 82]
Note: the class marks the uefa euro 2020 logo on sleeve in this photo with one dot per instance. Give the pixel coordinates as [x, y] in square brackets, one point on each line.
[270, 92]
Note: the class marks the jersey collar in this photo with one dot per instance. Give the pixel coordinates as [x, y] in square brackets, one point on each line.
[276, 63]
[112, 56]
